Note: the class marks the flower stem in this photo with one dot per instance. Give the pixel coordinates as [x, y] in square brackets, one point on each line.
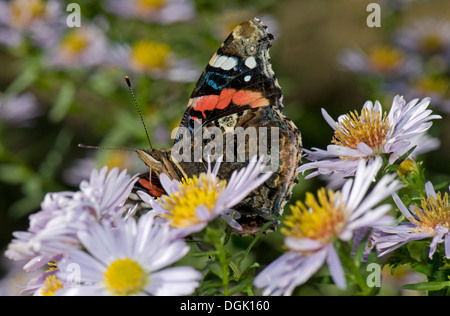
[222, 256]
[354, 266]
[216, 233]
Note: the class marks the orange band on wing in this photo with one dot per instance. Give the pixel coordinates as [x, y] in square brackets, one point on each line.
[225, 98]
[252, 98]
[152, 189]
[240, 98]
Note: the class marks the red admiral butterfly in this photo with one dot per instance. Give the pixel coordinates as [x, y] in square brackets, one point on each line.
[237, 89]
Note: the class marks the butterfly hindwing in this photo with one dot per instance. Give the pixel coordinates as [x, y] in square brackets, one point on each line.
[237, 89]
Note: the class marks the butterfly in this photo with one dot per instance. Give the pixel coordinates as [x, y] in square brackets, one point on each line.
[237, 91]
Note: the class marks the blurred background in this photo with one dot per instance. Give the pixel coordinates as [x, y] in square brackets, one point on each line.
[61, 85]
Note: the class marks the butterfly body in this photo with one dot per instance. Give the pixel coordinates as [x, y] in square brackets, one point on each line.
[235, 110]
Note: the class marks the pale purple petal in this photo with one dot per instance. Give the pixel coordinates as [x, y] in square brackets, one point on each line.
[335, 267]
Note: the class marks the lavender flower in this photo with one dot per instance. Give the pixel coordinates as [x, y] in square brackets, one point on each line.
[387, 62]
[38, 19]
[432, 220]
[128, 260]
[370, 134]
[53, 230]
[313, 228]
[18, 111]
[85, 46]
[191, 204]
[152, 58]
[160, 11]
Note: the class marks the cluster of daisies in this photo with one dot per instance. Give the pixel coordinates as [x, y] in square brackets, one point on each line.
[414, 63]
[44, 25]
[91, 242]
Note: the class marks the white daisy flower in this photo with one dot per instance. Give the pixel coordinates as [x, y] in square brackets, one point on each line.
[53, 230]
[425, 37]
[39, 19]
[18, 111]
[431, 220]
[315, 226]
[385, 61]
[129, 260]
[190, 204]
[83, 46]
[160, 11]
[370, 134]
[153, 58]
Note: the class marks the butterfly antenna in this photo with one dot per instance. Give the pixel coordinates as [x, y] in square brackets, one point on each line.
[105, 148]
[127, 79]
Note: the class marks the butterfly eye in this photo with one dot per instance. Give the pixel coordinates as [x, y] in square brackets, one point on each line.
[250, 49]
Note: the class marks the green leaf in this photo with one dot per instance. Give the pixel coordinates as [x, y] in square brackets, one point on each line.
[427, 286]
[14, 173]
[215, 268]
[63, 102]
[406, 155]
[418, 250]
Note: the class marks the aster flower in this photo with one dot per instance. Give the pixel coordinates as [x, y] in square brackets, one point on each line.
[434, 86]
[152, 58]
[425, 37]
[38, 19]
[190, 204]
[129, 260]
[431, 220]
[18, 111]
[370, 134]
[83, 46]
[314, 227]
[53, 230]
[386, 61]
[160, 11]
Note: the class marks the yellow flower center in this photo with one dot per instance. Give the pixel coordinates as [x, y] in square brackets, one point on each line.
[436, 84]
[434, 212]
[149, 4]
[125, 277]
[385, 59]
[52, 285]
[369, 128]
[432, 43]
[149, 55]
[74, 43]
[194, 192]
[23, 13]
[407, 167]
[320, 219]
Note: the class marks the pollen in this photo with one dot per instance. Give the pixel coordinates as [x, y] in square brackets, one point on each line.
[52, 285]
[320, 219]
[125, 277]
[435, 212]
[149, 55]
[370, 128]
[194, 192]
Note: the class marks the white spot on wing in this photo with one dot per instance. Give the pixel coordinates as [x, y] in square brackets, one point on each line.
[224, 62]
[250, 62]
[230, 63]
[247, 78]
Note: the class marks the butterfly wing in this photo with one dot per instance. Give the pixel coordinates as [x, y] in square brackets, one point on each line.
[238, 77]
